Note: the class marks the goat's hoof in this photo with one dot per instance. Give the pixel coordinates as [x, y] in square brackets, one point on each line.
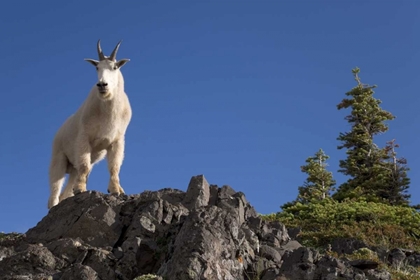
[77, 191]
[79, 188]
[117, 190]
[52, 201]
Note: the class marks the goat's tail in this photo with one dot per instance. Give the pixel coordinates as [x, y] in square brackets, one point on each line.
[58, 168]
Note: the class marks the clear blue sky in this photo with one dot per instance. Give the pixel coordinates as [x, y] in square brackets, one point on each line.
[240, 91]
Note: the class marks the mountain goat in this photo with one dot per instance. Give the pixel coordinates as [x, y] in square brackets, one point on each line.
[96, 130]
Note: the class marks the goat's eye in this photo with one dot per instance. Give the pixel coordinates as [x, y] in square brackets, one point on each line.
[96, 67]
[115, 67]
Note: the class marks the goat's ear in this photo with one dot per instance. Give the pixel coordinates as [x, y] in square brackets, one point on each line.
[92, 61]
[121, 62]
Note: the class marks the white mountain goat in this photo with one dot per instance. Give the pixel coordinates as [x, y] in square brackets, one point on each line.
[96, 129]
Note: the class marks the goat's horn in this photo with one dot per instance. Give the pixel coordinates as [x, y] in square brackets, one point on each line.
[114, 52]
[100, 53]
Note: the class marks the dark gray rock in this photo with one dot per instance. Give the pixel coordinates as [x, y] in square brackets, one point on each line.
[102, 262]
[270, 274]
[414, 260]
[255, 223]
[307, 264]
[378, 274]
[81, 272]
[270, 253]
[294, 233]
[89, 215]
[34, 260]
[289, 246]
[206, 247]
[67, 249]
[364, 264]
[6, 252]
[381, 252]
[299, 264]
[225, 192]
[204, 233]
[118, 252]
[214, 193]
[198, 193]
[347, 245]
[330, 268]
[396, 257]
[274, 234]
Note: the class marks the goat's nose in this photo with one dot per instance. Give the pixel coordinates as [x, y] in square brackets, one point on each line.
[101, 84]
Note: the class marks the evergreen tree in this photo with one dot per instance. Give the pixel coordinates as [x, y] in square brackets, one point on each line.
[319, 183]
[394, 191]
[364, 162]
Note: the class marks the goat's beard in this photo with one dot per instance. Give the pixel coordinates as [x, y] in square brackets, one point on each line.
[105, 96]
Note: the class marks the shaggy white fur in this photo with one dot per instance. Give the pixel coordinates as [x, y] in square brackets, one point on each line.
[96, 130]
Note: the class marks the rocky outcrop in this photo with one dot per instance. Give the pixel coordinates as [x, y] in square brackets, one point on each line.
[206, 232]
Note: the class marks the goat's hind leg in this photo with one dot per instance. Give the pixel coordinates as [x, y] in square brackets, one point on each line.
[57, 173]
[115, 156]
[68, 190]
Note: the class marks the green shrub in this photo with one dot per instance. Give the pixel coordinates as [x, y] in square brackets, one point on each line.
[375, 223]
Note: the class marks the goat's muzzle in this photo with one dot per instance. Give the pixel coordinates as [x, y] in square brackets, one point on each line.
[102, 87]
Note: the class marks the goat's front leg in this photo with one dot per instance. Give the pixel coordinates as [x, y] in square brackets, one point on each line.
[115, 156]
[83, 165]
